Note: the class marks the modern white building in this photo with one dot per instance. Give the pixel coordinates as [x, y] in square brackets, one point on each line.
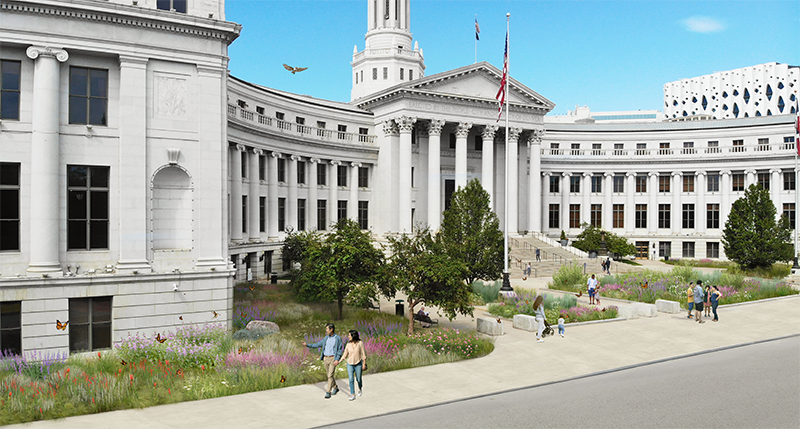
[584, 115]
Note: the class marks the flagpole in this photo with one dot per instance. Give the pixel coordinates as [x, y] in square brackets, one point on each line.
[506, 273]
[796, 266]
[476, 38]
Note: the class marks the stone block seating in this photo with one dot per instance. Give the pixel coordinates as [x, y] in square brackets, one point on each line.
[670, 307]
[637, 309]
[646, 310]
[525, 323]
[490, 326]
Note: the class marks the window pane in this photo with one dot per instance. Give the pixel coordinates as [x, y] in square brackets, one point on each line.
[77, 81]
[76, 175]
[11, 72]
[77, 110]
[97, 111]
[10, 313]
[9, 235]
[9, 204]
[101, 309]
[9, 174]
[99, 201]
[99, 234]
[10, 104]
[76, 205]
[98, 177]
[163, 4]
[99, 82]
[101, 335]
[179, 5]
[11, 341]
[78, 337]
[78, 312]
[76, 234]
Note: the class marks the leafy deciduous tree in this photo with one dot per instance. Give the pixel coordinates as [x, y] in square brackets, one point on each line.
[589, 240]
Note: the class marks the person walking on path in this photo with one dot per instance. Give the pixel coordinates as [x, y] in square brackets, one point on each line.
[561, 326]
[715, 295]
[330, 353]
[698, 302]
[538, 257]
[356, 361]
[707, 302]
[591, 285]
[538, 311]
[690, 299]
[529, 270]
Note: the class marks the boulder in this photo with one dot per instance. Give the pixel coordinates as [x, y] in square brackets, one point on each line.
[271, 327]
[490, 326]
[670, 307]
[525, 323]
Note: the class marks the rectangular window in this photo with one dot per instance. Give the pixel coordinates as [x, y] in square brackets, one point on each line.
[341, 175]
[363, 177]
[374, 73]
[763, 145]
[341, 131]
[262, 168]
[641, 216]
[688, 148]
[341, 210]
[260, 110]
[618, 148]
[173, 5]
[641, 148]
[663, 216]
[641, 184]
[281, 214]
[385, 73]
[363, 214]
[244, 213]
[410, 74]
[664, 249]
[478, 142]
[281, 170]
[597, 184]
[301, 214]
[713, 146]
[244, 164]
[688, 183]
[301, 172]
[663, 148]
[322, 174]
[574, 215]
[554, 149]
[554, 181]
[663, 184]
[9, 206]
[596, 215]
[789, 181]
[413, 184]
[262, 214]
[576, 149]
[402, 73]
[88, 96]
[9, 89]
[322, 214]
[89, 324]
[763, 180]
[87, 207]
[688, 249]
[280, 116]
[11, 327]
[737, 182]
[618, 216]
[619, 184]
[712, 183]
[788, 211]
[688, 216]
[554, 216]
[712, 250]
[596, 148]
[712, 216]
[575, 184]
[452, 140]
[738, 146]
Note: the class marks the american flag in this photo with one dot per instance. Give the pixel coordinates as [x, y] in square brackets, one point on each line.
[477, 30]
[501, 93]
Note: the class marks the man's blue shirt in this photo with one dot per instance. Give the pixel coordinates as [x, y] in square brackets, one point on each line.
[329, 346]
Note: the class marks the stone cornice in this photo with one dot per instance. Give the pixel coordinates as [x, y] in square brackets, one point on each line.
[309, 143]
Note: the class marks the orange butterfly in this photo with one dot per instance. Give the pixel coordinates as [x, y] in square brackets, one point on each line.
[123, 362]
[252, 287]
[159, 339]
[498, 320]
[243, 315]
[644, 286]
[240, 350]
[61, 326]
[180, 318]
[579, 294]
[215, 314]
[283, 379]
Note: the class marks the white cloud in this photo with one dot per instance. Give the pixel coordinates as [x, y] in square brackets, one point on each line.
[703, 24]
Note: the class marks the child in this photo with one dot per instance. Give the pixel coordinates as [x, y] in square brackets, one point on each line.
[561, 326]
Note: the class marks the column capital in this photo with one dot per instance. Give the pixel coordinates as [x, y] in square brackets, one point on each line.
[335, 162]
[390, 127]
[355, 164]
[775, 170]
[630, 174]
[588, 174]
[405, 124]
[33, 52]
[489, 131]
[314, 160]
[132, 61]
[241, 148]
[725, 172]
[296, 158]
[535, 137]
[677, 173]
[750, 171]
[513, 134]
[547, 173]
[700, 173]
[654, 174]
[276, 154]
[566, 174]
[435, 127]
[608, 174]
[258, 151]
[462, 130]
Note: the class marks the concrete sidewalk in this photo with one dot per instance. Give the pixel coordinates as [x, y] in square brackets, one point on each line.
[517, 362]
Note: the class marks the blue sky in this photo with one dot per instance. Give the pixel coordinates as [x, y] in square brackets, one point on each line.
[609, 55]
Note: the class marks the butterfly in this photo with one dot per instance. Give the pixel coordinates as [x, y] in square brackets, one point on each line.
[123, 362]
[215, 314]
[603, 309]
[61, 326]
[644, 286]
[159, 339]
[283, 379]
[524, 278]
[252, 287]
[240, 350]
[580, 294]
[498, 320]
[180, 318]
[243, 315]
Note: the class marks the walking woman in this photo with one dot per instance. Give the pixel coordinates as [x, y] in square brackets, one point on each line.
[538, 311]
[715, 296]
[356, 361]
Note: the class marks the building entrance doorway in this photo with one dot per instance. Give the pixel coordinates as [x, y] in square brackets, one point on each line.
[642, 247]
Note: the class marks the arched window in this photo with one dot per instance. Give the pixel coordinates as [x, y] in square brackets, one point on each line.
[172, 202]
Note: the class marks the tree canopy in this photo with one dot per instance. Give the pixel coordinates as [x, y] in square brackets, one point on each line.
[752, 238]
[589, 240]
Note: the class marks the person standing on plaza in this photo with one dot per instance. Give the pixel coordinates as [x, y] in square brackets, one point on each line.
[707, 301]
[529, 269]
[690, 299]
[591, 285]
[538, 311]
[698, 302]
[330, 353]
[561, 326]
[356, 361]
[715, 296]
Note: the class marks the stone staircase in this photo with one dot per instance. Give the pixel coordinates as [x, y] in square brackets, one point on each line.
[552, 255]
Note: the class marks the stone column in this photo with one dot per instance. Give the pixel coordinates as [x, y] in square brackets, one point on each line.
[677, 209]
[405, 125]
[254, 200]
[534, 180]
[750, 178]
[132, 177]
[630, 202]
[700, 206]
[311, 204]
[652, 205]
[487, 161]
[45, 166]
[725, 192]
[291, 198]
[513, 178]
[272, 188]
[236, 193]
[333, 197]
[774, 190]
[435, 174]
[352, 206]
[545, 209]
[586, 202]
[462, 132]
[387, 173]
[565, 178]
[608, 192]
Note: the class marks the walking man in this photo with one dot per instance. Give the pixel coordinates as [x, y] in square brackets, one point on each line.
[330, 353]
[538, 258]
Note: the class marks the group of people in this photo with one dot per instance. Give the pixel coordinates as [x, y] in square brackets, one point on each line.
[606, 265]
[331, 354]
[702, 301]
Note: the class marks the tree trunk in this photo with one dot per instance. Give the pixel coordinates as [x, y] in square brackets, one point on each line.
[411, 317]
[340, 302]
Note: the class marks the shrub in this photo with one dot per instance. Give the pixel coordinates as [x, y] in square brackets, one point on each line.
[487, 290]
[372, 329]
[35, 365]
[569, 275]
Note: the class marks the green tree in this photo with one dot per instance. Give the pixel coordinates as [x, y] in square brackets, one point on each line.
[421, 269]
[752, 238]
[345, 265]
[589, 240]
[471, 233]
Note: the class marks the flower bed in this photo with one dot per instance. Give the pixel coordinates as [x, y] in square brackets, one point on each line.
[565, 306]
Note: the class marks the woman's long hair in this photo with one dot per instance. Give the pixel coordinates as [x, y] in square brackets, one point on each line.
[537, 302]
[354, 334]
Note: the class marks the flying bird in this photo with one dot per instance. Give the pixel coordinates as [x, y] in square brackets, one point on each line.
[294, 69]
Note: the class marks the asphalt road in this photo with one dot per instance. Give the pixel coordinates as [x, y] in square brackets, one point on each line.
[753, 386]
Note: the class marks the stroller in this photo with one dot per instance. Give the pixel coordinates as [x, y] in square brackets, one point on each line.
[548, 330]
